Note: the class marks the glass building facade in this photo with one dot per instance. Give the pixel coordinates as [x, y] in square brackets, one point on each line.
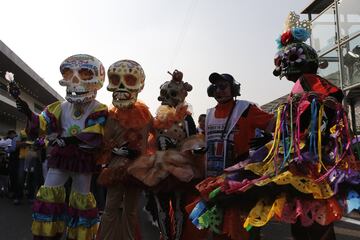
[336, 38]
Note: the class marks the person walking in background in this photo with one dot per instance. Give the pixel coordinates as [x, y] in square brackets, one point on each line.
[16, 167]
[201, 124]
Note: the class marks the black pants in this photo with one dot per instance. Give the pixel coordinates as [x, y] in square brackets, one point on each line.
[16, 174]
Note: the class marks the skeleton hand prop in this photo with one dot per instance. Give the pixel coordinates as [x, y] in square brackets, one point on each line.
[125, 152]
[64, 141]
[13, 87]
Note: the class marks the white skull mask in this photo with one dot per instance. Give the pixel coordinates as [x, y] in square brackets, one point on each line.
[82, 75]
[126, 80]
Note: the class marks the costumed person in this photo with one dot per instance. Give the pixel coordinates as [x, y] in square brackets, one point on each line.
[169, 171]
[79, 123]
[307, 175]
[125, 138]
[229, 127]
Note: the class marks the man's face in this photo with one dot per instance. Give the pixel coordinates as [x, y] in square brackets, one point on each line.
[202, 122]
[222, 92]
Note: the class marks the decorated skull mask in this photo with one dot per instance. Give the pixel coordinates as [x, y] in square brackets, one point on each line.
[126, 80]
[82, 75]
[295, 59]
[174, 92]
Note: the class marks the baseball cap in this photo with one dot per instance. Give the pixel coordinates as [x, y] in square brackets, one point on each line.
[214, 77]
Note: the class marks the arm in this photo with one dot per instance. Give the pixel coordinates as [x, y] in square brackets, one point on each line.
[263, 121]
[46, 122]
[21, 105]
[191, 125]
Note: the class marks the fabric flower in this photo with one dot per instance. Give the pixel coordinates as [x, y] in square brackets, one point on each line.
[295, 55]
[300, 34]
[286, 37]
[278, 42]
[278, 57]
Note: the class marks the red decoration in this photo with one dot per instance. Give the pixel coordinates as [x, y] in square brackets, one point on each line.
[286, 37]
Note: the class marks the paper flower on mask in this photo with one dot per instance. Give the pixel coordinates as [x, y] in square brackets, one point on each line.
[295, 55]
[286, 38]
[300, 34]
[294, 31]
[278, 42]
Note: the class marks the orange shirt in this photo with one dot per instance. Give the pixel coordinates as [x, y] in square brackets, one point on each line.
[244, 129]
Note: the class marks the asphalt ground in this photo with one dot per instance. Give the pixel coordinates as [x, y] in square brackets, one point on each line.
[15, 222]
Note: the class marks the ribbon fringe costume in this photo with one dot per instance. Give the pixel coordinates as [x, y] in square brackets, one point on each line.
[308, 173]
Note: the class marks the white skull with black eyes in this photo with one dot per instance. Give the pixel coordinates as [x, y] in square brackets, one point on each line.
[126, 80]
[83, 75]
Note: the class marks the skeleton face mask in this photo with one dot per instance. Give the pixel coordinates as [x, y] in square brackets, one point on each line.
[126, 80]
[174, 92]
[82, 75]
[295, 59]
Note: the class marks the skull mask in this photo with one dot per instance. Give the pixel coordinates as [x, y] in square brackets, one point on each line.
[295, 59]
[82, 75]
[174, 92]
[126, 80]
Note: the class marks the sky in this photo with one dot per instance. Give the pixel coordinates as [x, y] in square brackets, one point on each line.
[197, 37]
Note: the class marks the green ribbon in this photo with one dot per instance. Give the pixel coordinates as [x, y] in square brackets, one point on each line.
[248, 227]
[214, 192]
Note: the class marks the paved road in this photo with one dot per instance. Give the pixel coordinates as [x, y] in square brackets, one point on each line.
[15, 225]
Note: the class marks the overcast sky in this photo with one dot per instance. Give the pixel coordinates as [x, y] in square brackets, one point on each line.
[197, 37]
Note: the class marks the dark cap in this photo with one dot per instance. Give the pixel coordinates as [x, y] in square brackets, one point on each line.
[214, 77]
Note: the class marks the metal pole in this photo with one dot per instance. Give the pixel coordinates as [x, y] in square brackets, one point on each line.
[338, 40]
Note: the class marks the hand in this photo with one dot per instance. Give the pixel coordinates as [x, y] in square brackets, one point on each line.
[200, 150]
[165, 143]
[64, 141]
[256, 143]
[14, 89]
[58, 141]
[23, 107]
[125, 152]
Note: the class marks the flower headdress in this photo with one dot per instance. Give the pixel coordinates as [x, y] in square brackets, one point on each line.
[294, 56]
[294, 30]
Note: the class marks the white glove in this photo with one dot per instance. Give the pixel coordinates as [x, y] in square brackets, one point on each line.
[122, 151]
[59, 141]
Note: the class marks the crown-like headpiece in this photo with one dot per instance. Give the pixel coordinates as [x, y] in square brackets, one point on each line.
[294, 30]
[293, 21]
